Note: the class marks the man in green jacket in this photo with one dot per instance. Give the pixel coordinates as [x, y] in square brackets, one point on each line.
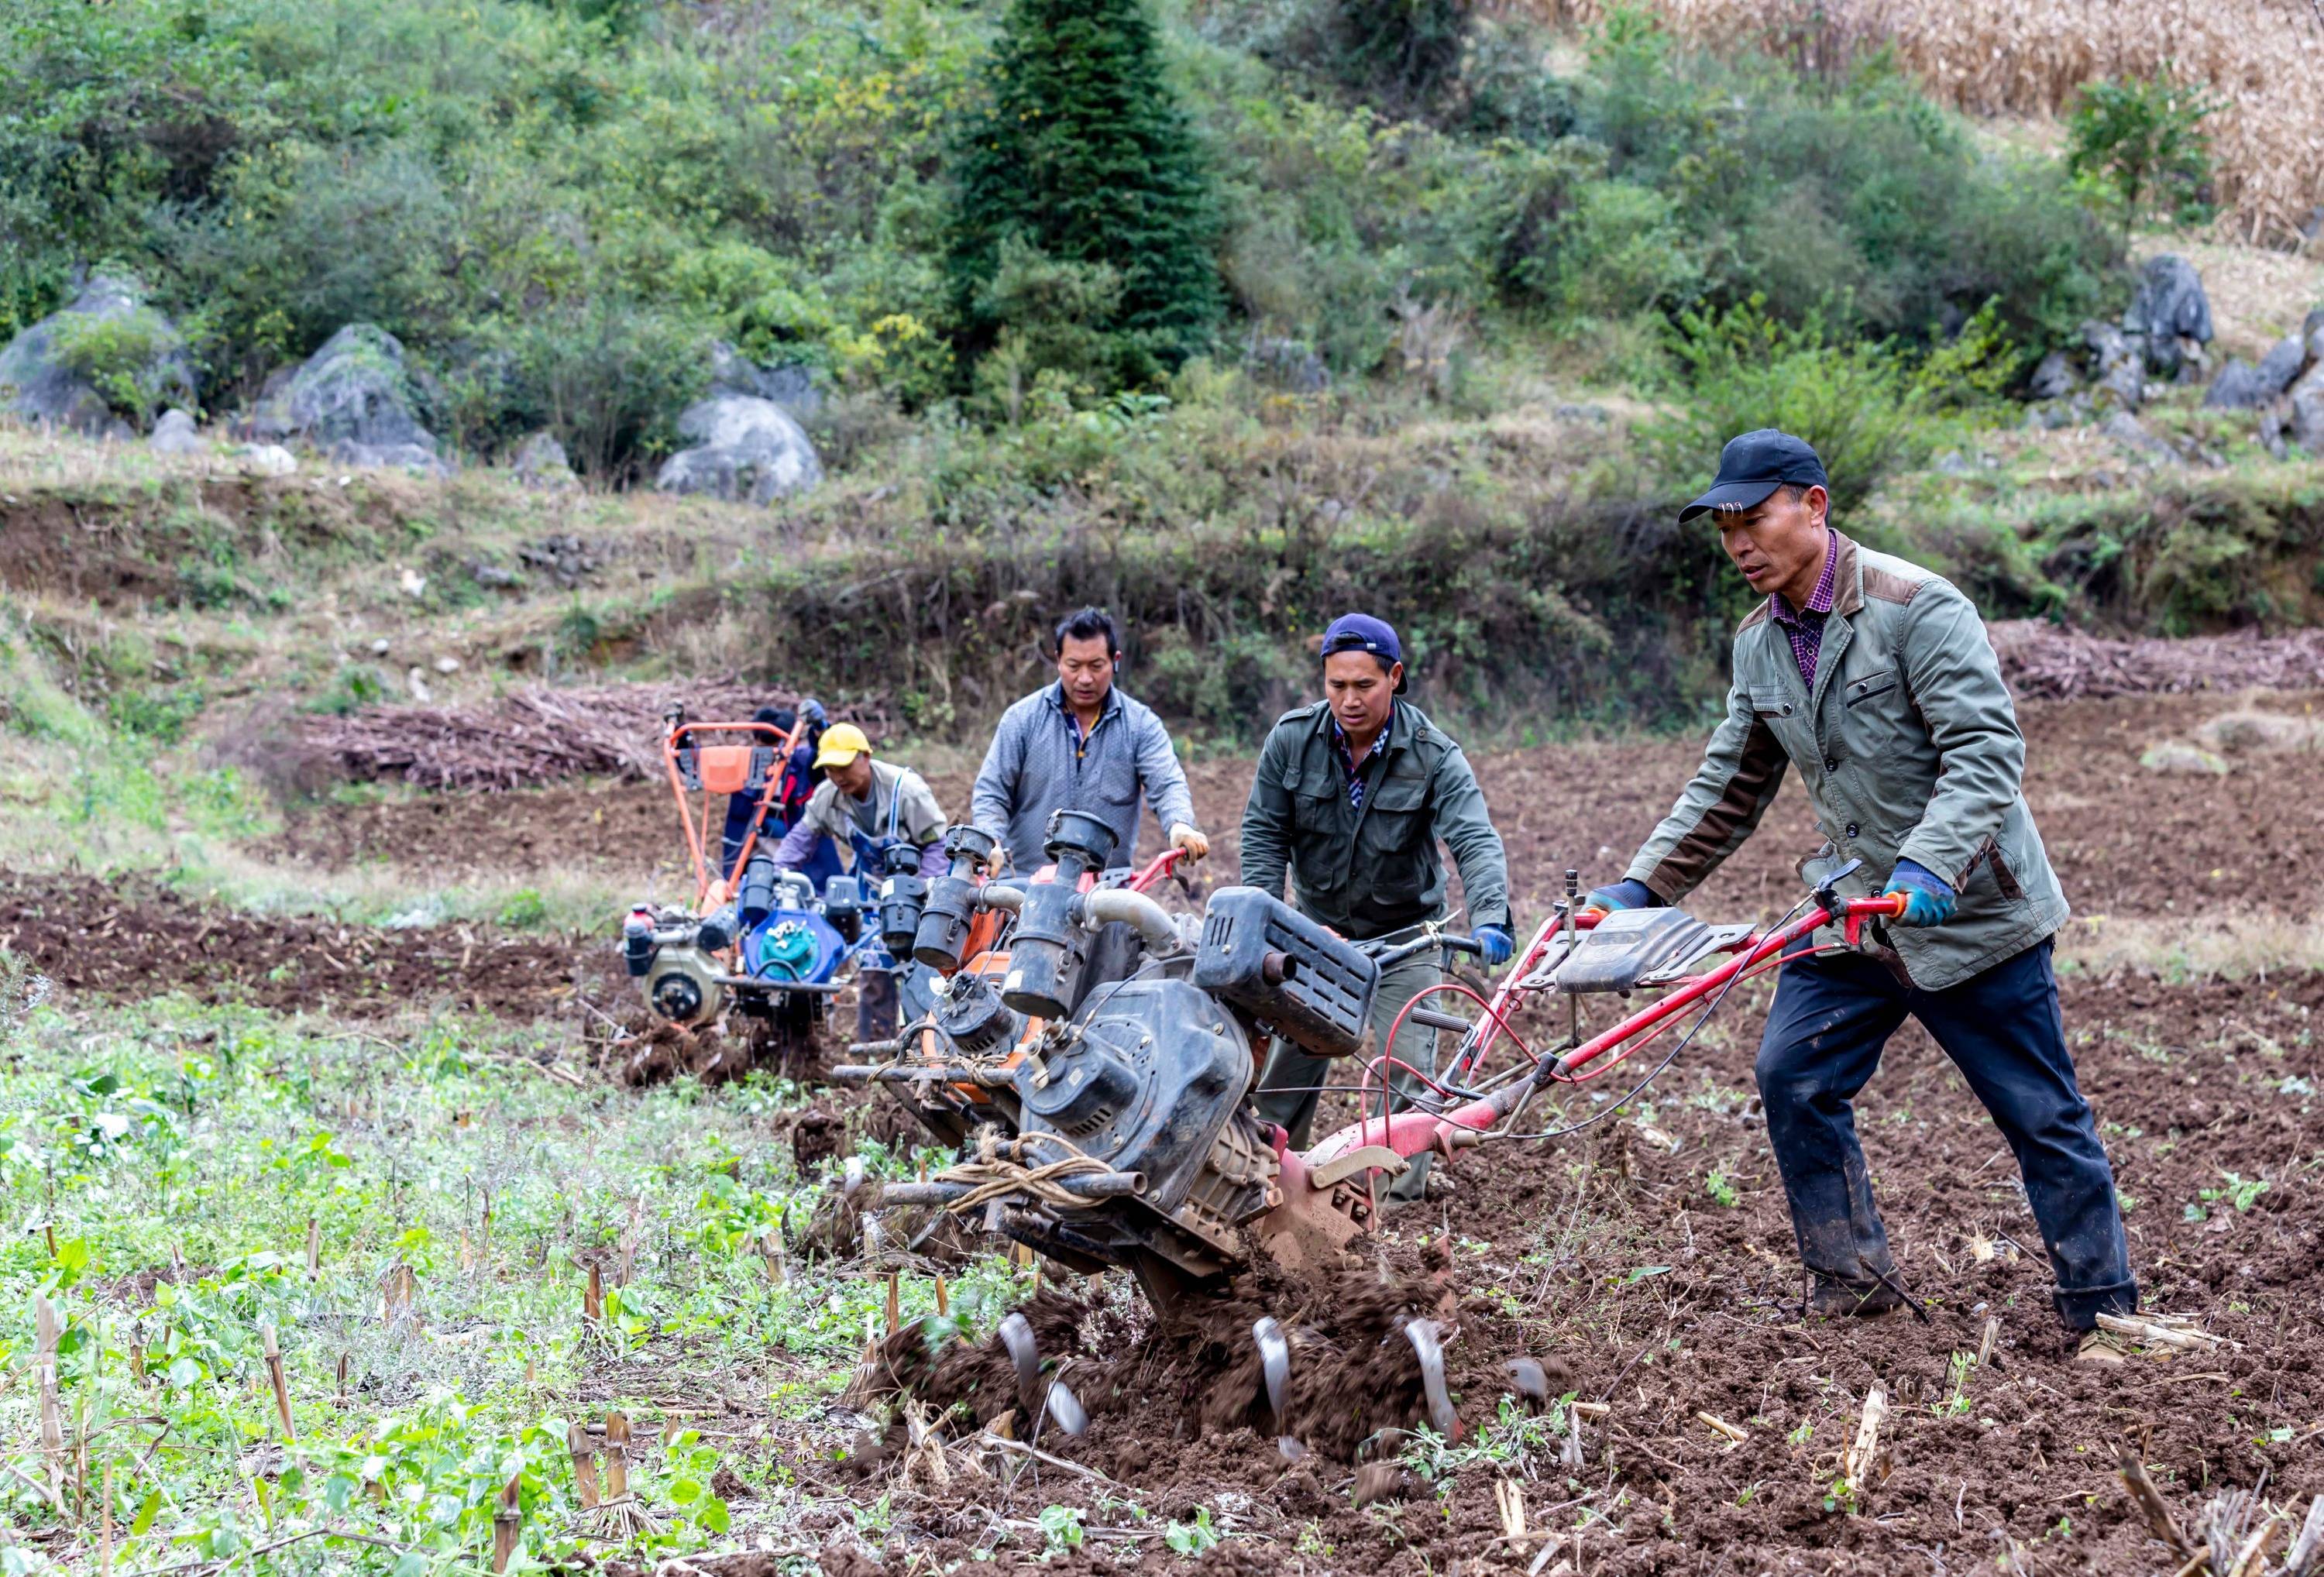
[1877, 680]
[1351, 796]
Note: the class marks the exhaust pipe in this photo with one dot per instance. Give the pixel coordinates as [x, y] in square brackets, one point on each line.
[1150, 919]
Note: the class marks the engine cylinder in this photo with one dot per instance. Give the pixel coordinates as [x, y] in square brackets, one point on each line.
[951, 906]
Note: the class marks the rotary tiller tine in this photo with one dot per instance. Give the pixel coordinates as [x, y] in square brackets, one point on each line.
[1530, 1379]
[1274, 1362]
[1429, 1348]
[1016, 1335]
[1066, 1409]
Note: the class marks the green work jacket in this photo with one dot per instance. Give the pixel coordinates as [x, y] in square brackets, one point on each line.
[1909, 747]
[1370, 872]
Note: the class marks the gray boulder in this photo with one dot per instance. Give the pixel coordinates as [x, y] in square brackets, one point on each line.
[2128, 431]
[541, 462]
[791, 387]
[2121, 372]
[174, 434]
[2170, 303]
[744, 447]
[2280, 366]
[2237, 388]
[2055, 378]
[2304, 423]
[267, 459]
[1286, 363]
[48, 373]
[355, 400]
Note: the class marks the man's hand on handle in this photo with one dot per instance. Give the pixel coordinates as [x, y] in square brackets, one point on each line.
[1190, 838]
[1929, 899]
[1496, 946]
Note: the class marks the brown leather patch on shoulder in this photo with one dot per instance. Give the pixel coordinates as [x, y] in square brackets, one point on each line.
[1890, 588]
[1757, 615]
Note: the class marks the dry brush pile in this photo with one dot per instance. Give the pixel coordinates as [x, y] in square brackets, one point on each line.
[2262, 59]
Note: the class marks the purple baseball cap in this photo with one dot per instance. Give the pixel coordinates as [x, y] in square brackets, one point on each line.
[1362, 632]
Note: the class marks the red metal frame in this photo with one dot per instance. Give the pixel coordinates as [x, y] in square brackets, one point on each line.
[673, 741]
[1410, 1133]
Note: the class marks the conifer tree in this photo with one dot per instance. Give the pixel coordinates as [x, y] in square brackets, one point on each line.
[1083, 162]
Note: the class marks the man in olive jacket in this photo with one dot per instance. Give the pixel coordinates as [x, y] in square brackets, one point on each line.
[1877, 680]
[1351, 796]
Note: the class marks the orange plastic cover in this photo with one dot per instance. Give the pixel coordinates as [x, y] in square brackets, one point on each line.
[724, 769]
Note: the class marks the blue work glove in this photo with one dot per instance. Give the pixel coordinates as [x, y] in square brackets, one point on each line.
[1625, 894]
[1929, 899]
[1498, 945]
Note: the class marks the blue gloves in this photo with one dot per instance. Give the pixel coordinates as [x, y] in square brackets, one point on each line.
[1497, 944]
[1625, 894]
[1929, 899]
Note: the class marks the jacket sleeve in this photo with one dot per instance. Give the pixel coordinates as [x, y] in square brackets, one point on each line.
[1956, 681]
[1732, 790]
[1164, 778]
[993, 801]
[1467, 829]
[1267, 822]
[919, 816]
[798, 846]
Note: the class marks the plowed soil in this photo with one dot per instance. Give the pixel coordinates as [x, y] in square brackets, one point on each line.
[1606, 1257]
[2125, 842]
[135, 938]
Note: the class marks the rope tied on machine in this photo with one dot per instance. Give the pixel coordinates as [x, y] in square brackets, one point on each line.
[992, 1176]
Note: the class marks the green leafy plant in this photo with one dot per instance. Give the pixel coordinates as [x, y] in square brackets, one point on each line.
[2139, 142]
[1191, 1537]
[1721, 1188]
[129, 358]
[1061, 1528]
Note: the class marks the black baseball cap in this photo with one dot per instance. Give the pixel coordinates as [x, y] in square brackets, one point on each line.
[1754, 466]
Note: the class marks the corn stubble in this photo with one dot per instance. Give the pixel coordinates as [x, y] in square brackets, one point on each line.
[2263, 59]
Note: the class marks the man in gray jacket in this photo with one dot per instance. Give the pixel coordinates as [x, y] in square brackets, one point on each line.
[1081, 744]
[1877, 680]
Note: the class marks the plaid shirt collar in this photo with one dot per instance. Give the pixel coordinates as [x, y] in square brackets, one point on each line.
[1826, 592]
[1073, 719]
[1356, 768]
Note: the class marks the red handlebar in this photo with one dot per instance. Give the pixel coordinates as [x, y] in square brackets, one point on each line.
[1156, 869]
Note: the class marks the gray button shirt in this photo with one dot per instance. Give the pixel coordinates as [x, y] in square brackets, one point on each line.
[1035, 765]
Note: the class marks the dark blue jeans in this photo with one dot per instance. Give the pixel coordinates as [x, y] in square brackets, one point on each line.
[2003, 1029]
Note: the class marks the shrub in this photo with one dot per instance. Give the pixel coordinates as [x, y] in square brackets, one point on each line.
[1081, 156]
[130, 359]
[608, 377]
[1870, 408]
[1403, 55]
[2140, 140]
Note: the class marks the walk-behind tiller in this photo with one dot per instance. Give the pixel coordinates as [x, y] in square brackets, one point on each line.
[1107, 1120]
[1102, 1110]
[797, 949]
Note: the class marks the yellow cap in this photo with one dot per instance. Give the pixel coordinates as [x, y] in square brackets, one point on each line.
[841, 744]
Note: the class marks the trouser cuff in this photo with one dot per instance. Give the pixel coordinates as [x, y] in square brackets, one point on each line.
[2081, 1308]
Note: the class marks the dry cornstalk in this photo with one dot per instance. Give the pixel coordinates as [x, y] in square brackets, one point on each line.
[619, 1515]
[1866, 1452]
[47, 1329]
[2306, 1552]
[1591, 1409]
[632, 1235]
[585, 1462]
[895, 1302]
[272, 1349]
[506, 1522]
[593, 1295]
[104, 1527]
[779, 1267]
[1721, 1425]
[2185, 1339]
[1985, 1343]
[342, 1376]
[399, 1304]
[943, 1297]
[1508, 1499]
[617, 1455]
[314, 1247]
[2150, 1503]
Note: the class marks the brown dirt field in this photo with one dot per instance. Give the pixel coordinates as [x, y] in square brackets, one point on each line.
[135, 938]
[1607, 1255]
[2125, 840]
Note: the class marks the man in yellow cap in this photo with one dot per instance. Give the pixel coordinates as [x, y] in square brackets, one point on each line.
[866, 804]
